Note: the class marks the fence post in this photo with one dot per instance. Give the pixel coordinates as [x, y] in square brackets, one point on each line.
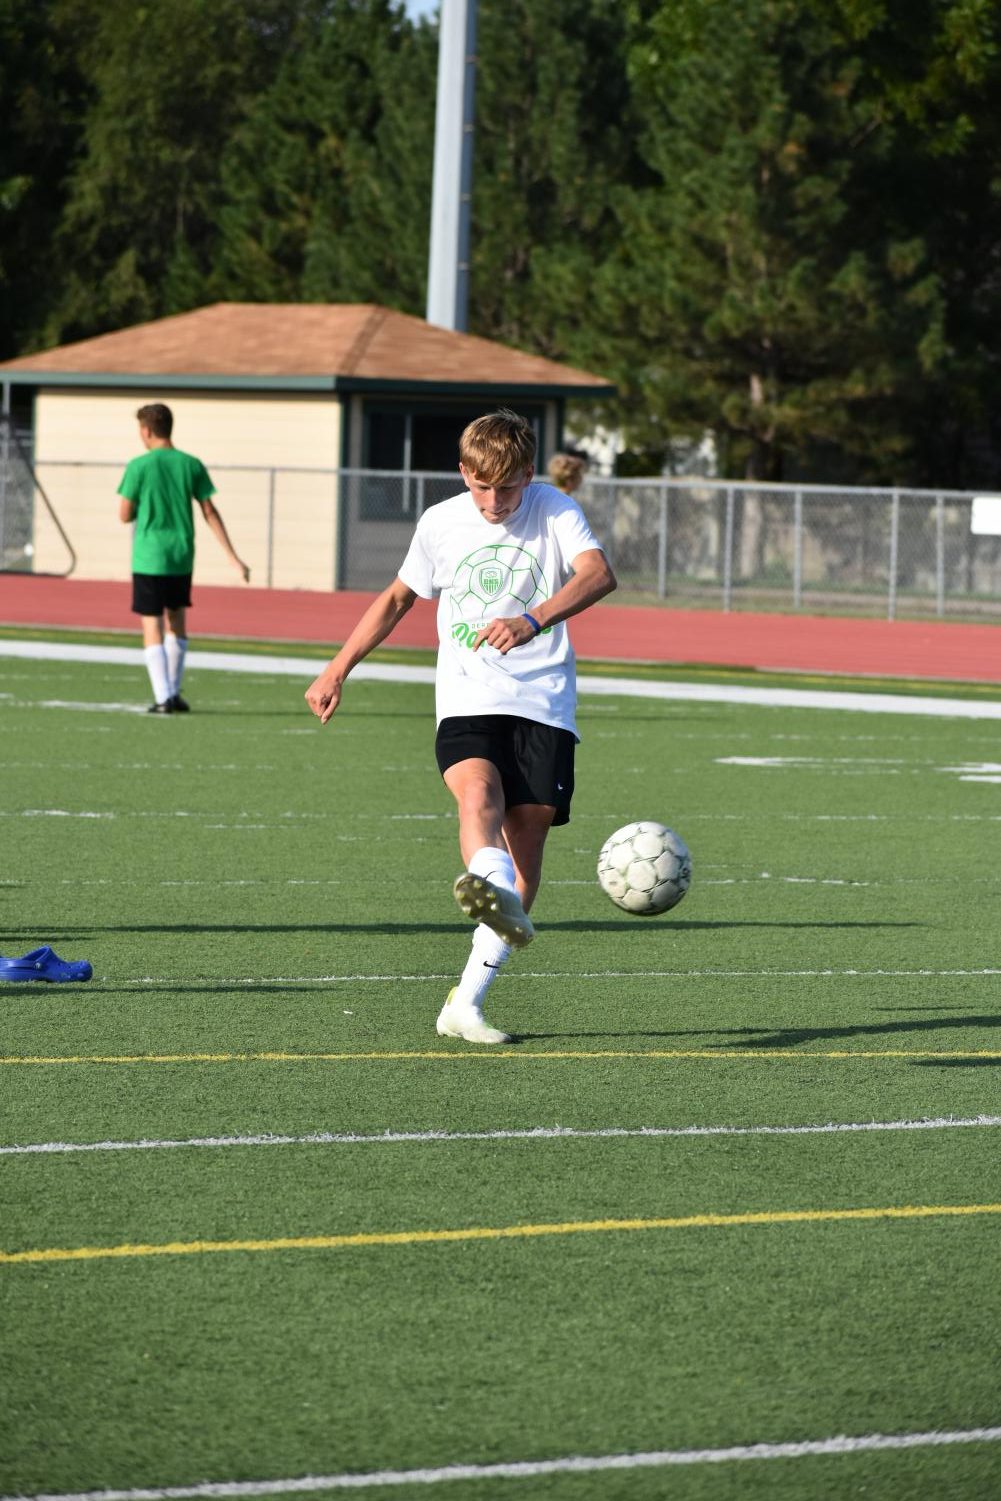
[4, 471]
[891, 603]
[662, 546]
[271, 529]
[608, 493]
[420, 496]
[797, 550]
[940, 554]
[728, 551]
[338, 538]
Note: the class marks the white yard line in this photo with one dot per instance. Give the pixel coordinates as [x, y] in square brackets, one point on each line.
[287, 820]
[306, 668]
[743, 880]
[534, 1133]
[576, 1464]
[574, 974]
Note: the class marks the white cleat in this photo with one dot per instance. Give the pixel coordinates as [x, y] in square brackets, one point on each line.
[496, 907]
[466, 1022]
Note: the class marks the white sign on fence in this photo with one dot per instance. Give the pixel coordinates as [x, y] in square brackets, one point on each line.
[985, 517]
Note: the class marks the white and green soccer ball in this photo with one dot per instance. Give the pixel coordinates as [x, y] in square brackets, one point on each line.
[645, 868]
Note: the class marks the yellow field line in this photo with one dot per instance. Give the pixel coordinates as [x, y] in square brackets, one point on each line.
[493, 1055]
[503, 1232]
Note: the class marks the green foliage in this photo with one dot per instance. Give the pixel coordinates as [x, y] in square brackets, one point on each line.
[41, 106]
[326, 185]
[777, 221]
[553, 139]
[788, 257]
[167, 85]
[943, 185]
[771, 295]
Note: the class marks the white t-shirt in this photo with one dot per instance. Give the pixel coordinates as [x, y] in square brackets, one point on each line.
[479, 571]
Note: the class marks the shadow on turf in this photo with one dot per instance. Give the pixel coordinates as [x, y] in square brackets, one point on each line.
[602, 925]
[241, 709]
[789, 1036]
[931, 1006]
[957, 1063]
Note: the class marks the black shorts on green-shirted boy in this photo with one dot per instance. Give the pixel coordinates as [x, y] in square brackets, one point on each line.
[535, 761]
[152, 593]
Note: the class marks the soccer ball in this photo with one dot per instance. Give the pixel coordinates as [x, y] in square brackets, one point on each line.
[645, 868]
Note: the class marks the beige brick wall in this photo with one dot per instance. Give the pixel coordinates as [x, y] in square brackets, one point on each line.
[83, 439]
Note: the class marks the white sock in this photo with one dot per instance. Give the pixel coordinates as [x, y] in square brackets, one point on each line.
[494, 865]
[156, 666]
[488, 954]
[175, 648]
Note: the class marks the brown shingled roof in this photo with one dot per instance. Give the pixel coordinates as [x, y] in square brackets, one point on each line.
[358, 342]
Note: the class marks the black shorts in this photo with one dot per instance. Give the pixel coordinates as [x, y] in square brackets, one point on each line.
[535, 761]
[152, 593]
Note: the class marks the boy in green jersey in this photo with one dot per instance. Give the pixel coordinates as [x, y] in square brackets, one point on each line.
[157, 492]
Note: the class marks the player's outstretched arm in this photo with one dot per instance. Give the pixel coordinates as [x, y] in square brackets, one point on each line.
[324, 694]
[218, 528]
[592, 580]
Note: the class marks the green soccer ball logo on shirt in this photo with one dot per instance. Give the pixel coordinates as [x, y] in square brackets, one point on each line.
[500, 573]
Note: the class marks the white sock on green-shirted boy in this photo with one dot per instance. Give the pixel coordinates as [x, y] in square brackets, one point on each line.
[175, 649]
[156, 666]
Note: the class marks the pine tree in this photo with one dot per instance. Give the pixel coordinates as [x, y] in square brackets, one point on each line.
[552, 146]
[933, 76]
[42, 100]
[167, 86]
[327, 184]
[759, 309]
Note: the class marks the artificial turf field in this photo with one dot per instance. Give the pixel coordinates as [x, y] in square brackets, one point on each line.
[267, 908]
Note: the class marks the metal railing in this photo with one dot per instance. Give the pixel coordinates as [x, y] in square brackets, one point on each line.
[696, 541]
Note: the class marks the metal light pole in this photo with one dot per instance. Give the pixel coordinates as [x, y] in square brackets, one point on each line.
[448, 263]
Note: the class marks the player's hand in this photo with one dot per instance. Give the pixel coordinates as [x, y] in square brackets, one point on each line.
[242, 569]
[323, 695]
[504, 634]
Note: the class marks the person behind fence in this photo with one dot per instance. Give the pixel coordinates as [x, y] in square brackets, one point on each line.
[567, 471]
[509, 561]
[158, 491]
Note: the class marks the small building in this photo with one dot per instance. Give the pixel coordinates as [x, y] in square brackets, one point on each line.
[318, 422]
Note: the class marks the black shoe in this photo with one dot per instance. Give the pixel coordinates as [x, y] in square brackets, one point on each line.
[167, 707]
[180, 705]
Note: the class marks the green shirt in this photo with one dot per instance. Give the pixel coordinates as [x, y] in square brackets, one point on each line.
[161, 483]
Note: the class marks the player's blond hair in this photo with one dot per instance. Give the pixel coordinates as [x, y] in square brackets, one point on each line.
[498, 448]
[566, 470]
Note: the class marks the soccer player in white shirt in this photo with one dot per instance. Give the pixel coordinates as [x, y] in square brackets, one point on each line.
[509, 562]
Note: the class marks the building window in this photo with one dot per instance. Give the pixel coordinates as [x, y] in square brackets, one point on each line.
[421, 439]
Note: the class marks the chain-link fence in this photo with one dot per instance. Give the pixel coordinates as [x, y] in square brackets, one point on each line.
[379, 510]
[731, 545]
[690, 541]
[23, 506]
[806, 547]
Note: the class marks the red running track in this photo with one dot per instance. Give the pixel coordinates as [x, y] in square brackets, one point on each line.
[946, 650]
